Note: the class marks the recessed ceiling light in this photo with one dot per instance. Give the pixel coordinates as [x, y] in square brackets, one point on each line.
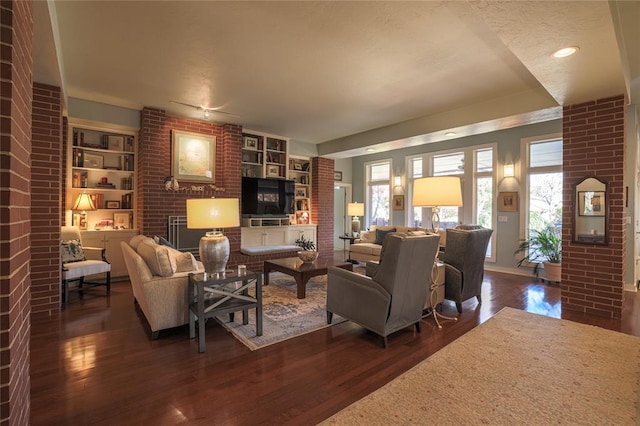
[371, 150]
[450, 134]
[565, 51]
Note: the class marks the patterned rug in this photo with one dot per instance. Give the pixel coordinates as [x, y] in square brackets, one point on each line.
[284, 315]
[517, 368]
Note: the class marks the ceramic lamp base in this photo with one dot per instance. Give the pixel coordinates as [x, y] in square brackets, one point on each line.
[355, 225]
[214, 252]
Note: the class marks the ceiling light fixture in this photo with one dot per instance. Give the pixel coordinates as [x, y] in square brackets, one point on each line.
[206, 111]
[565, 51]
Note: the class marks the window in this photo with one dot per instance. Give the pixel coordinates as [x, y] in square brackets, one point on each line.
[414, 167]
[449, 165]
[378, 178]
[543, 195]
[484, 187]
[484, 184]
[478, 187]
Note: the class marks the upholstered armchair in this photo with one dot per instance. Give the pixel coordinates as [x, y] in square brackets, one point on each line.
[464, 257]
[393, 298]
[80, 261]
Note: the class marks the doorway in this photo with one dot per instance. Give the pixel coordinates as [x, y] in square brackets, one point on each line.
[341, 197]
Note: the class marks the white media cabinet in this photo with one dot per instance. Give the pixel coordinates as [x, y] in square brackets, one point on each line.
[275, 235]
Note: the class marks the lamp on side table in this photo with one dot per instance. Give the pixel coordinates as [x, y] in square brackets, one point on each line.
[213, 213]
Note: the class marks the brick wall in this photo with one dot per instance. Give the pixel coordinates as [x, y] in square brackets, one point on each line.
[46, 187]
[155, 204]
[593, 276]
[322, 202]
[15, 150]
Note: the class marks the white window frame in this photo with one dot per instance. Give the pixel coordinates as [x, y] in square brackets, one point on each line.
[524, 175]
[469, 186]
[368, 183]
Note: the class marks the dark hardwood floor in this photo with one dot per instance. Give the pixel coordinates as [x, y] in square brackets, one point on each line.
[94, 362]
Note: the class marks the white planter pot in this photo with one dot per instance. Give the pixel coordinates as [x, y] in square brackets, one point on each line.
[553, 271]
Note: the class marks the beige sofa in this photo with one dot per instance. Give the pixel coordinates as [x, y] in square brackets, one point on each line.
[367, 247]
[159, 277]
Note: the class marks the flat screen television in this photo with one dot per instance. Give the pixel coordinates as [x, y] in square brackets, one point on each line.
[267, 197]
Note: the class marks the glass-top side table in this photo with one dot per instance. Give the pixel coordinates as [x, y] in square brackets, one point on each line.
[223, 293]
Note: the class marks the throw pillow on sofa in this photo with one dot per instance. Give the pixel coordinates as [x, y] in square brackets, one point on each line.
[135, 241]
[381, 235]
[181, 262]
[156, 257]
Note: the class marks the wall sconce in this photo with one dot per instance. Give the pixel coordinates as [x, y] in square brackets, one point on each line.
[509, 170]
[397, 181]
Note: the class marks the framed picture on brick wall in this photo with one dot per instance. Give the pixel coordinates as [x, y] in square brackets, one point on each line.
[193, 156]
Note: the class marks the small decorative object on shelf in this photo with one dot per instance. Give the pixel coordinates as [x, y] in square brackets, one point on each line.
[308, 253]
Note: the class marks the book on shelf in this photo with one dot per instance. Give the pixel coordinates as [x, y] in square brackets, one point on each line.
[126, 183]
[79, 179]
[78, 138]
[126, 162]
[127, 201]
[105, 185]
[128, 145]
[78, 158]
[98, 200]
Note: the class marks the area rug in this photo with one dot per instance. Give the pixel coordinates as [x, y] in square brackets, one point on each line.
[283, 315]
[516, 368]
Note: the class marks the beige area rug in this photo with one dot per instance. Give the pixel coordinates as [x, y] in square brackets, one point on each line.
[516, 368]
[284, 315]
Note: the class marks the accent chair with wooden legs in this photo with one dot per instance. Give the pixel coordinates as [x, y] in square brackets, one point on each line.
[80, 261]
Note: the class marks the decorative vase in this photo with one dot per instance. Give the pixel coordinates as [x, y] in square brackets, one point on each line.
[553, 271]
[308, 256]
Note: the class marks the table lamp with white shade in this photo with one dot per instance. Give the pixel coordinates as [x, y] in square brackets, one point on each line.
[355, 209]
[213, 213]
[436, 192]
[83, 203]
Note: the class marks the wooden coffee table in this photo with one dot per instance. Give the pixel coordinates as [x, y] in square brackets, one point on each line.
[300, 271]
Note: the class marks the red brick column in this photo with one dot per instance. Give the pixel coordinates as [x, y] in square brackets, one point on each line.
[46, 187]
[592, 275]
[16, 66]
[322, 202]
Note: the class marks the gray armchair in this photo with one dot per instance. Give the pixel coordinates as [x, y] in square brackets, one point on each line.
[393, 298]
[464, 263]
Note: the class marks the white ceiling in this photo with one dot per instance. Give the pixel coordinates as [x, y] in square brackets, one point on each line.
[344, 75]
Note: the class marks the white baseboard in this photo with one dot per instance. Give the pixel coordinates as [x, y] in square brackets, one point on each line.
[514, 271]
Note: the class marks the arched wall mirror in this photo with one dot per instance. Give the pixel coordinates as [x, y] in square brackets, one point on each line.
[591, 212]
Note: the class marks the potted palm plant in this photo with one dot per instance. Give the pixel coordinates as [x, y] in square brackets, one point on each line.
[544, 247]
